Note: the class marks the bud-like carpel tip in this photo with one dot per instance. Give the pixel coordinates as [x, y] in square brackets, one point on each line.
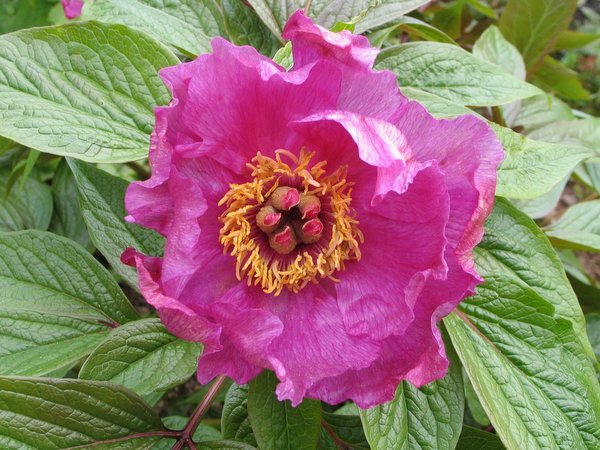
[310, 231]
[285, 198]
[283, 241]
[309, 206]
[268, 219]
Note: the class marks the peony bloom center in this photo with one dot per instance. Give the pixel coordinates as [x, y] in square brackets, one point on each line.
[291, 223]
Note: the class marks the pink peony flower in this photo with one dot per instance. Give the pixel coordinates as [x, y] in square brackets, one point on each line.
[317, 223]
[72, 8]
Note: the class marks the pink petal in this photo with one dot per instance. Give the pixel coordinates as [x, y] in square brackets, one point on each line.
[72, 8]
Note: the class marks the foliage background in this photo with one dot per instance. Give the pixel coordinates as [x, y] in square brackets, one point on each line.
[84, 362]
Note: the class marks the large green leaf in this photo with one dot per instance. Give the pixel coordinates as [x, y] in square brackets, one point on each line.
[578, 228]
[67, 219]
[276, 424]
[185, 24]
[523, 344]
[102, 205]
[452, 73]
[56, 303]
[533, 26]
[429, 417]
[29, 206]
[49, 414]
[144, 357]
[85, 90]
[235, 423]
[533, 168]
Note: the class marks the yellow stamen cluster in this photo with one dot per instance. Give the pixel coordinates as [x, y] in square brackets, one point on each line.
[310, 262]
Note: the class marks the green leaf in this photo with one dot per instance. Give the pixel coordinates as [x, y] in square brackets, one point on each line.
[538, 207]
[585, 132]
[235, 423]
[474, 439]
[555, 77]
[572, 40]
[429, 417]
[102, 205]
[412, 26]
[54, 275]
[593, 332]
[534, 26]
[277, 425]
[473, 403]
[143, 357]
[449, 19]
[366, 14]
[85, 90]
[532, 168]
[67, 219]
[578, 228]
[56, 303]
[493, 47]
[185, 24]
[244, 27]
[540, 110]
[284, 56]
[452, 73]
[20, 209]
[17, 14]
[49, 414]
[522, 341]
[481, 7]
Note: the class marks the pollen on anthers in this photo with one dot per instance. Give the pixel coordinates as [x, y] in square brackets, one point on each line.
[291, 223]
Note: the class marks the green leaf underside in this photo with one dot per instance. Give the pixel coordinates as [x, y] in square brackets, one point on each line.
[102, 205]
[185, 24]
[429, 417]
[452, 73]
[48, 414]
[56, 303]
[522, 341]
[578, 228]
[143, 357]
[85, 90]
[26, 207]
[276, 424]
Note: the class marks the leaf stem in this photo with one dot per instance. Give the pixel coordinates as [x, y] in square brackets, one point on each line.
[203, 407]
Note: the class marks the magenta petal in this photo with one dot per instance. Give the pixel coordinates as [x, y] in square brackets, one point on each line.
[312, 43]
[72, 8]
[179, 319]
[469, 153]
[313, 344]
[377, 295]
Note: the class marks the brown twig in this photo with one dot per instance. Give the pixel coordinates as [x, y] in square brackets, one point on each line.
[339, 442]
